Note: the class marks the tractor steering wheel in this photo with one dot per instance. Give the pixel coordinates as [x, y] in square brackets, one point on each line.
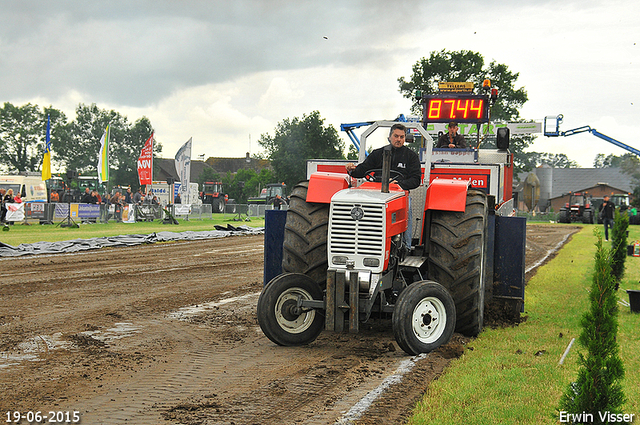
[375, 175]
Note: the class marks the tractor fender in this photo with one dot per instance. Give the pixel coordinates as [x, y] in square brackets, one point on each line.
[322, 186]
[447, 195]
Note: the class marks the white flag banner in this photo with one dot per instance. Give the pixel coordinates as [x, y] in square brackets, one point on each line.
[183, 168]
[15, 212]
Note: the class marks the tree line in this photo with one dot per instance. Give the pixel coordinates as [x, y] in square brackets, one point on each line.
[75, 144]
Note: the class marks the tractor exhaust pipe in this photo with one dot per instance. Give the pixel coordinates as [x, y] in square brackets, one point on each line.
[386, 168]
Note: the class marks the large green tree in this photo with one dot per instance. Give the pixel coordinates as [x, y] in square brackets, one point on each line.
[468, 66]
[80, 150]
[74, 145]
[465, 66]
[23, 132]
[297, 140]
[246, 183]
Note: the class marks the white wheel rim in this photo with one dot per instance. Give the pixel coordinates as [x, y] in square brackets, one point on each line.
[300, 323]
[429, 320]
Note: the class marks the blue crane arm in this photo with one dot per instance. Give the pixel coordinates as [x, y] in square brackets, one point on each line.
[615, 142]
[596, 133]
[348, 128]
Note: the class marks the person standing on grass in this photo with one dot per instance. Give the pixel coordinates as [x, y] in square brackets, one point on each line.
[607, 210]
[3, 209]
[127, 197]
[137, 197]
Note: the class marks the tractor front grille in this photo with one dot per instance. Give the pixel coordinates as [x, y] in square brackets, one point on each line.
[365, 236]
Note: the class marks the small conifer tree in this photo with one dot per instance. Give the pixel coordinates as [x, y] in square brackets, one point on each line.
[619, 245]
[598, 389]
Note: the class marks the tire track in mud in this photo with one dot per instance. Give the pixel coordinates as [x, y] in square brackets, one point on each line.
[185, 372]
[217, 376]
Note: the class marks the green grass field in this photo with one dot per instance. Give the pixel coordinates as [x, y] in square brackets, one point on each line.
[512, 375]
[20, 233]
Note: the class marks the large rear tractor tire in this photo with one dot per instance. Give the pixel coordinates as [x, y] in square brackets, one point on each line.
[587, 216]
[305, 236]
[281, 318]
[456, 259]
[424, 317]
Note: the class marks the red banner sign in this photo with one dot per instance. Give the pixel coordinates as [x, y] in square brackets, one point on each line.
[145, 162]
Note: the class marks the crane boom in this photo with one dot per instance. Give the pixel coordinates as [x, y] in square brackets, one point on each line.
[555, 132]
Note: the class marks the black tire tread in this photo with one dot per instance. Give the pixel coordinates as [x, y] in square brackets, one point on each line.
[456, 254]
[305, 236]
[266, 310]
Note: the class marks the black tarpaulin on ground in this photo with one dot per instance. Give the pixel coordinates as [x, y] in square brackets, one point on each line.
[78, 245]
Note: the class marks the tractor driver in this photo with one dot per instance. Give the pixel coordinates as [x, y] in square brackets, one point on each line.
[403, 160]
[452, 139]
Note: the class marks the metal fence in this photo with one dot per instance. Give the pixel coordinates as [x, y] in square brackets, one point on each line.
[542, 217]
[241, 212]
[191, 212]
[55, 213]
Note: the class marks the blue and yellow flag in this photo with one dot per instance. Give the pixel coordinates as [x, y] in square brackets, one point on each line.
[46, 161]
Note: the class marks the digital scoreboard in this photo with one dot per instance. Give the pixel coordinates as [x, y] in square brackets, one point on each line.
[456, 107]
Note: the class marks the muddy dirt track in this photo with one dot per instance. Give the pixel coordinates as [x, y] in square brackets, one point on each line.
[167, 334]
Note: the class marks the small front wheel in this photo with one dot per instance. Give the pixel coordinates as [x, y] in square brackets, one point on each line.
[280, 315]
[424, 317]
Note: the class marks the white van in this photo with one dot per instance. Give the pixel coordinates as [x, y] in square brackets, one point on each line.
[30, 187]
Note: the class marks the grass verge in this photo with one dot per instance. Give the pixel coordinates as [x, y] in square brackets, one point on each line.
[511, 375]
[20, 233]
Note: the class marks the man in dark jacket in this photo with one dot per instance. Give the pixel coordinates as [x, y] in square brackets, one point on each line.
[278, 202]
[452, 139]
[86, 197]
[128, 197]
[403, 160]
[137, 197]
[607, 210]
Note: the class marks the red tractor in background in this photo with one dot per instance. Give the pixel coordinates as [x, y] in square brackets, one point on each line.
[344, 258]
[579, 208]
[213, 193]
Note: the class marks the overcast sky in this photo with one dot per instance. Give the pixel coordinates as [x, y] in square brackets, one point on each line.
[227, 72]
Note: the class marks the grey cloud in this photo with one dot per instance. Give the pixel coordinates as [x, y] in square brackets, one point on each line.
[135, 53]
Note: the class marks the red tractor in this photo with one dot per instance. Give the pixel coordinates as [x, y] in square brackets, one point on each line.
[213, 193]
[344, 258]
[579, 208]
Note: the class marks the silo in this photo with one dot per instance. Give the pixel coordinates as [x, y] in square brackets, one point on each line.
[545, 175]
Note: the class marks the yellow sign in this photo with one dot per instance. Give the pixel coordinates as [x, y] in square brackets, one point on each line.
[466, 87]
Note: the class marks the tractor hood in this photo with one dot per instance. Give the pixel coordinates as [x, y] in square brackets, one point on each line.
[372, 196]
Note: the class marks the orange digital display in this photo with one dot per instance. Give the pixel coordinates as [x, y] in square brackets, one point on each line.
[462, 109]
